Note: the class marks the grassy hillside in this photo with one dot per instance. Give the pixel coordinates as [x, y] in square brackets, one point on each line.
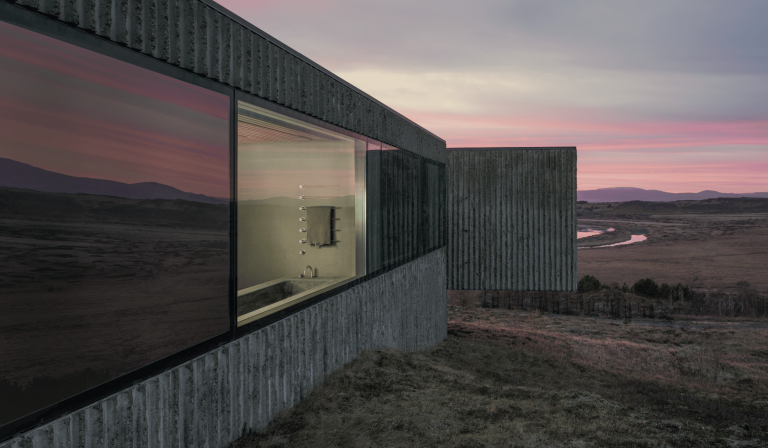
[706, 206]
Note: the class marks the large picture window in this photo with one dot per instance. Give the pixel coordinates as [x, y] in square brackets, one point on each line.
[114, 219]
[300, 215]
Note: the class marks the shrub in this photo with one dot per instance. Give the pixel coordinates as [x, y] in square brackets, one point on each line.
[646, 287]
[588, 283]
[665, 291]
[681, 292]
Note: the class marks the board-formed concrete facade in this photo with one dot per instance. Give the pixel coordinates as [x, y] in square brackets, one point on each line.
[243, 385]
[511, 219]
[210, 41]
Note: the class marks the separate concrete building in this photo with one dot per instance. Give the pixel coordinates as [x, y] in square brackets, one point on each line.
[512, 219]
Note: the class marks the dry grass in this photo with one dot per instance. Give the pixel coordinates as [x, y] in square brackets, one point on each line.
[727, 357]
[506, 378]
[705, 251]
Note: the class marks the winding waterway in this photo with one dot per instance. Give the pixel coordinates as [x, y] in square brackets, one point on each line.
[587, 232]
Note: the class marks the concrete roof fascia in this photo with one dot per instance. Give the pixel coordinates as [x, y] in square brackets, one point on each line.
[500, 148]
[232, 16]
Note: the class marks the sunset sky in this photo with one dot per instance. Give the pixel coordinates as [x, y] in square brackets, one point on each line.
[669, 95]
[72, 111]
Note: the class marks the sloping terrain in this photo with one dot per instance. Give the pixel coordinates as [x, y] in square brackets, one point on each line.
[514, 379]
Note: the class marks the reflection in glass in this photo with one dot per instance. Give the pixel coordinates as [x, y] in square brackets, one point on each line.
[114, 219]
[300, 205]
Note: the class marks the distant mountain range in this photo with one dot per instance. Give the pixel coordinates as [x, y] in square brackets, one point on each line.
[21, 175]
[624, 194]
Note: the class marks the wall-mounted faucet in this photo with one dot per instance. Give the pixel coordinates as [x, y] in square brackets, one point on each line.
[311, 272]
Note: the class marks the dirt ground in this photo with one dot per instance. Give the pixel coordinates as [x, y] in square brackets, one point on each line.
[702, 250]
[509, 378]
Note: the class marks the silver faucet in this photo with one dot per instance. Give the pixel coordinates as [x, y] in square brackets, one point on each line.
[311, 272]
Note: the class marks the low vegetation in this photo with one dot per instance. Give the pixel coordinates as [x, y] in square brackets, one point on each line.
[529, 379]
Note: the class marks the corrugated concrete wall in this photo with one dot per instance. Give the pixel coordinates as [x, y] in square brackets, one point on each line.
[214, 43]
[512, 219]
[209, 401]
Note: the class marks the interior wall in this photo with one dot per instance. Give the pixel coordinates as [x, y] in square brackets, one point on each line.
[273, 233]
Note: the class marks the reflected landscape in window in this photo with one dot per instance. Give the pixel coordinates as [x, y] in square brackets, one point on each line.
[114, 219]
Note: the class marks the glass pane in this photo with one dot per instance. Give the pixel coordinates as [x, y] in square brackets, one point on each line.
[433, 192]
[114, 219]
[373, 197]
[297, 223]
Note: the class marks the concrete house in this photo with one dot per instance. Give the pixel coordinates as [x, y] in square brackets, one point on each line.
[198, 225]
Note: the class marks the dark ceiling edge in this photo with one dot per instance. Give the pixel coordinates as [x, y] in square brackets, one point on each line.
[232, 16]
[498, 148]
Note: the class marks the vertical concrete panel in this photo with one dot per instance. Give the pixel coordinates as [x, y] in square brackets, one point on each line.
[43, 437]
[109, 424]
[235, 54]
[274, 73]
[250, 382]
[507, 222]
[334, 335]
[246, 60]
[245, 374]
[138, 433]
[102, 17]
[225, 50]
[300, 347]
[275, 397]
[117, 22]
[174, 22]
[294, 372]
[263, 403]
[283, 328]
[324, 113]
[186, 35]
[85, 10]
[291, 75]
[234, 392]
[251, 67]
[146, 14]
[203, 400]
[160, 30]
[345, 317]
[186, 416]
[279, 75]
[132, 33]
[199, 38]
[261, 81]
[62, 435]
[152, 412]
[356, 320]
[224, 394]
[327, 327]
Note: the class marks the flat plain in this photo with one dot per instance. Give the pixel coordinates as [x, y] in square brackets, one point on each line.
[709, 244]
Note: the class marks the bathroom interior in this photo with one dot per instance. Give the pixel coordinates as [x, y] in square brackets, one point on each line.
[301, 211]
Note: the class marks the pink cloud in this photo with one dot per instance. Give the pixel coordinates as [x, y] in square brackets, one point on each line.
[60, 57]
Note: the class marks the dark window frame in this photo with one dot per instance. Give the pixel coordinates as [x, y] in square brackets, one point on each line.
[34, 21]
